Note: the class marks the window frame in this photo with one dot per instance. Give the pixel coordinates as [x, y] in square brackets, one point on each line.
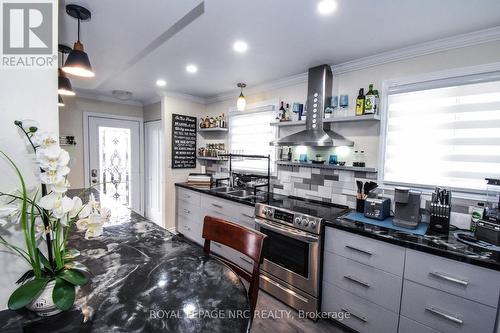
[263, 106]
[453, 77]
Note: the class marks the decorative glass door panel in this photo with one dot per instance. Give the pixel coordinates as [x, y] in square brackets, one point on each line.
[114, 158]
[114, 163]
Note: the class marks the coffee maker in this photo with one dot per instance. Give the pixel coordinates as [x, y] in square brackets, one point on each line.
[407, 208]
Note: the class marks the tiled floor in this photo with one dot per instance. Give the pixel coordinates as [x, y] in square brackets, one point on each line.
[289, 321]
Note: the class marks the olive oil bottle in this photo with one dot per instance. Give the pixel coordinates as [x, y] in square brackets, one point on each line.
[370, 101]
[360, 103]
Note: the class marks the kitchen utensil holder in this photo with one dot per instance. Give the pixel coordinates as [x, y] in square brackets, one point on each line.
[440, 218]
[360, 205]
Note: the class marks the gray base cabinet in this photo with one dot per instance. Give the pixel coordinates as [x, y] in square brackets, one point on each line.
[192, 207]
[388, 288]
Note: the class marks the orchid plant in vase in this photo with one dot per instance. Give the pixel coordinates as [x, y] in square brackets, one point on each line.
[46, 217]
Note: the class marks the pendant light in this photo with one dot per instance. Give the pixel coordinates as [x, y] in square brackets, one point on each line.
[60, 101]
[242, 102]
[64, 86]
[78, 62]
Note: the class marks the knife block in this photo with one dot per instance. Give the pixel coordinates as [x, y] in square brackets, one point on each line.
[440, 218]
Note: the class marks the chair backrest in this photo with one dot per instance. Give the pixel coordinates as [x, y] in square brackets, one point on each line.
[243, 240]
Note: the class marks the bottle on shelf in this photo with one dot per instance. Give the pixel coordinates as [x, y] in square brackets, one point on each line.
[377, 101]
[287, 112]
[362, 159]
[282, 112]
[360, 103]
[355, 158]
[370, 101]
[289, 155]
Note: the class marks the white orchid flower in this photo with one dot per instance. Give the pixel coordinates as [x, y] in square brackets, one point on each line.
[29, 124]
[93, 225]
[77, 207]
[52, 158]
[51, 177]
[57, 204]
[10, 213]
[90, 207]
[45, 140]
[39, 228]
[60, 187]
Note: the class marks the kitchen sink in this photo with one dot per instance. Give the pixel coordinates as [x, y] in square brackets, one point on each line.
[241, 193]
[224, 189]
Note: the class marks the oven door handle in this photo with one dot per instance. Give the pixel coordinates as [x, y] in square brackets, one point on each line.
[299, 235]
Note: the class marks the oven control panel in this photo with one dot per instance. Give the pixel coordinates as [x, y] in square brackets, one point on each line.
[300, 221]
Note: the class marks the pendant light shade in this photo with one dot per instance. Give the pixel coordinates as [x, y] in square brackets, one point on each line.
[241, 103]
[78, 62]
[60, 101]
[64, 87]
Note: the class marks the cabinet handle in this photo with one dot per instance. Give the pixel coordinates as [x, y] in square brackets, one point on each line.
[441, 314]
[216, 205]
[449, 278]
[246, 215]
[187, 211]
[218, 245]
[368, 253]
[247, 261]
[360, 317]
[353, 279]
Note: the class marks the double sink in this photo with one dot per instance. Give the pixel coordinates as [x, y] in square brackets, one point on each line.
[236, 192]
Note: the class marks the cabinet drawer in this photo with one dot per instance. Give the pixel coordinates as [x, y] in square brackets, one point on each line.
[457, 278]
[190, 229]
[410, 326]
[380, 287]
[190, 196]
[188, 210]
[445, 312]
[384, 256]
[224, 207]
[246, 217]
[365, 316]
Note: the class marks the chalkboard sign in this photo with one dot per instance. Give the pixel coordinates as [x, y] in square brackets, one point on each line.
[183, 142]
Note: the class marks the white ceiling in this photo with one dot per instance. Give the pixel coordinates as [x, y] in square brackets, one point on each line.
[285, 37]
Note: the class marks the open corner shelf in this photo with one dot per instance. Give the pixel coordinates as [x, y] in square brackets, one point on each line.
[213, 130]
[366, 117]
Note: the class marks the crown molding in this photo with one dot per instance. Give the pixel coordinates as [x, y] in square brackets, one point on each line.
[182, 96]
[281, 83]
[440, 45]
[105, 98]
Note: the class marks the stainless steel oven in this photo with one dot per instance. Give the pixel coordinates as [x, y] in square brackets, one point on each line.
[292, 254]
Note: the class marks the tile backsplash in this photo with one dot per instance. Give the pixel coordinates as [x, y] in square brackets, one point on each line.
[338, 186]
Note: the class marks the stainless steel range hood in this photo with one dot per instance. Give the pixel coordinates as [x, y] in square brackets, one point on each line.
[317, 133]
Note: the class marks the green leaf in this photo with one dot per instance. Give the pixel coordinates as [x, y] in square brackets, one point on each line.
[44, 261]
[26, 276]
[63, 294]
[77, 266]
[71, 253]
[74, 277]
[23, 295]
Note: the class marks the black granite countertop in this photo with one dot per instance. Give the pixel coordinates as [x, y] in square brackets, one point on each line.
[442, 245]
[445, 246]
[145, 279]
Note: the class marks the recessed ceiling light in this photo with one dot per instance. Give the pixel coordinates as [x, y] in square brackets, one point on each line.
[191, 68]
[240, 46]
[326, 7]
[161, 83]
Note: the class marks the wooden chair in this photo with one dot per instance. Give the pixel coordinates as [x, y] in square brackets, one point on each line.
[246, 241]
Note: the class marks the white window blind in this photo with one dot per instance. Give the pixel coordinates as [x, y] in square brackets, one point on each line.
[250, 133]
[448, 136]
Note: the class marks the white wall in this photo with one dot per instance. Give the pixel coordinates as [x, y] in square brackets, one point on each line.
[71, 123]
[366, 135]
[24, 94]
[168, 107]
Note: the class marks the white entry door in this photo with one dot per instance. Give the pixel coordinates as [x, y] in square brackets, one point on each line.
[114, 159]
[153, 138]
